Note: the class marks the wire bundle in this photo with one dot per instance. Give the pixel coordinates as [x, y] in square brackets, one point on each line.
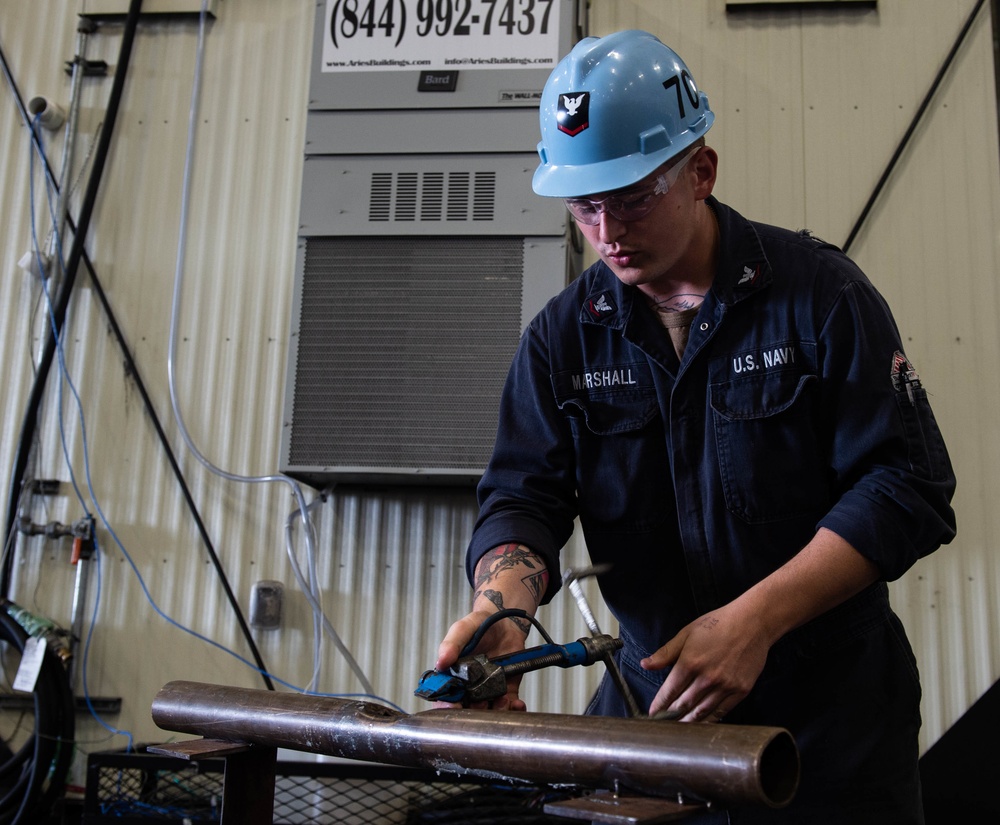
[33, 779]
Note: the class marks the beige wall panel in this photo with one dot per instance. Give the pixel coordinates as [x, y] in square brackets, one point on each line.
[933, 242]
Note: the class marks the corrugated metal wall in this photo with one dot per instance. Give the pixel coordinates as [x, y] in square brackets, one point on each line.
[810, 109]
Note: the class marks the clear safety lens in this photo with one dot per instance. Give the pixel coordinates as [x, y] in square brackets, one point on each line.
[630, 204]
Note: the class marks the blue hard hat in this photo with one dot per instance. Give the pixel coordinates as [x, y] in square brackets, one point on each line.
[615, 109]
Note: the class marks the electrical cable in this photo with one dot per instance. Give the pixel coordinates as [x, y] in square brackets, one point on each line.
[86, 456]
[39, 769]
[337, 641]
[132, 370]
[30, 421]
[42, 766]
[27, 787]
[156, 608]
[77, 255]
[493, 618]
[310, 588]
[111, 532]
[904, 142]
[45, 290]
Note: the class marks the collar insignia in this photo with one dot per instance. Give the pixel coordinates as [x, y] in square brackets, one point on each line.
[600, 307]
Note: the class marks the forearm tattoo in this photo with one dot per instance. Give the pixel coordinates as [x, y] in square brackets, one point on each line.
[536, 583]
[509, 557]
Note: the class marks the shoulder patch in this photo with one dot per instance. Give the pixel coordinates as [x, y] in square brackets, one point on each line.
[904, 377]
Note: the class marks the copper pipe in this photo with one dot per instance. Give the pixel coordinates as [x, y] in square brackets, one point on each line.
[719, 763]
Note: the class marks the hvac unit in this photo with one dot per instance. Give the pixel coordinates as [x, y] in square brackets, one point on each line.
[422, 251]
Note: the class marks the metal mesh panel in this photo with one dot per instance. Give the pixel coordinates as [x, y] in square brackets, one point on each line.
[403, 348]
[136, 787]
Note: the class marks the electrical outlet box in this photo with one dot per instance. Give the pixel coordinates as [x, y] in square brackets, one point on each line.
[119, 8]
[45, 486]
[266, 601]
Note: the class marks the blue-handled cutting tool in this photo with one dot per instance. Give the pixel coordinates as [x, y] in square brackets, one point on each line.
[481, 679]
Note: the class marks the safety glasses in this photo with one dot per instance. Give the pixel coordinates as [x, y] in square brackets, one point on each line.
[629, 204]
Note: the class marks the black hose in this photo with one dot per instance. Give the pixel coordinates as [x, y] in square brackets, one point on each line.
[132, 370]
[493, 618]
[42, 765]
[912, 127]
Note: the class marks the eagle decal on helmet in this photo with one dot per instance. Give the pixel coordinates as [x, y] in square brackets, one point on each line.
[573, 115]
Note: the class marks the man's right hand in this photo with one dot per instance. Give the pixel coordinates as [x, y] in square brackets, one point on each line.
[503, 637]
[509, 576]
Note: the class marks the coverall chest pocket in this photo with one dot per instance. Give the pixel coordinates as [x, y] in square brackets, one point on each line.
[621, 460]
[770, 459]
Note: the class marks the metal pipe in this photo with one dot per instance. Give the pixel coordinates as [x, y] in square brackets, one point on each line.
[80, 587]
[571, 578]
[84, 28]
[719, 763]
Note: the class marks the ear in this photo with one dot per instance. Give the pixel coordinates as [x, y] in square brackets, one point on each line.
[704, 166]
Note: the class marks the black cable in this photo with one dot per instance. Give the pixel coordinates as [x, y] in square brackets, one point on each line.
[30, 422]
[132, 370]
[493, 618]
[42, 764]
[912, 127]
[995, 15]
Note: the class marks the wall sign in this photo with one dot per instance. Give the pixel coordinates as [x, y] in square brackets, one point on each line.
[373, 35]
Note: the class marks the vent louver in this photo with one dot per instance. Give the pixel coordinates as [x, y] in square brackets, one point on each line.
[432, 197]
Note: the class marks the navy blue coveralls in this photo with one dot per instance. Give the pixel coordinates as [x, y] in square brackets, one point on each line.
[793, 408]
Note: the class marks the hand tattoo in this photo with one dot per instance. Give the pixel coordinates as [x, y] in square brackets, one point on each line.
[494, 596]
[497, 598]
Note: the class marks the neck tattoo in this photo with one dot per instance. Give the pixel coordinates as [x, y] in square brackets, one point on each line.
[677, 303]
